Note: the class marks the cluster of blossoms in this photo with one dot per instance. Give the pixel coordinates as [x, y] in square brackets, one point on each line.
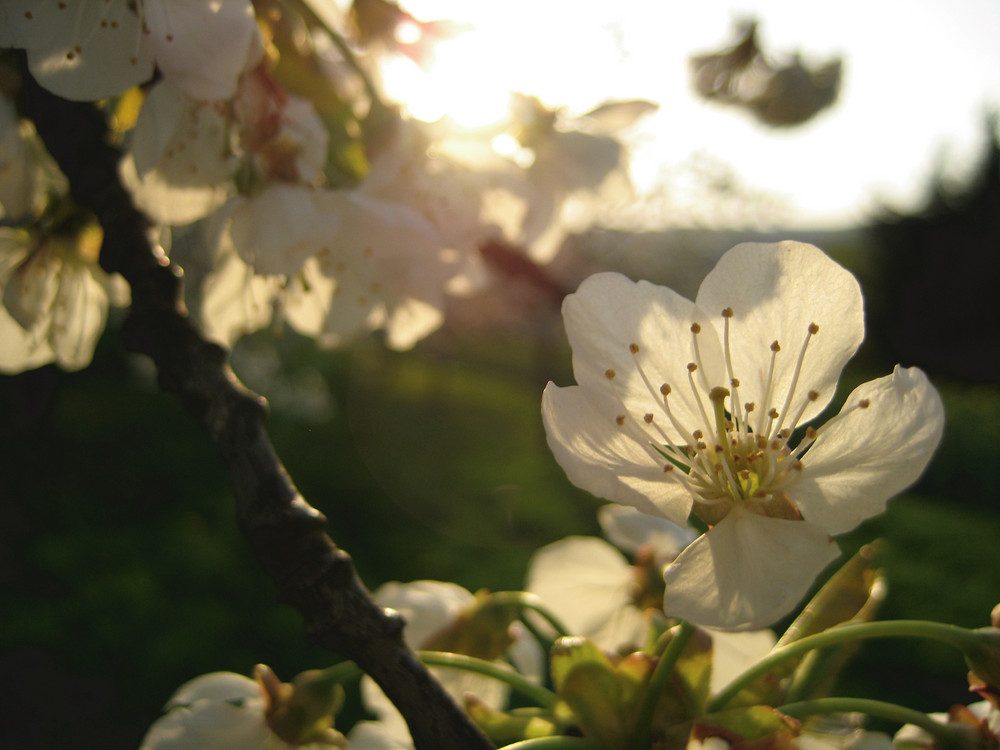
[264, 143]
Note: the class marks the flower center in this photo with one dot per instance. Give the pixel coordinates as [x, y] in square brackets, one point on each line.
[734, 452]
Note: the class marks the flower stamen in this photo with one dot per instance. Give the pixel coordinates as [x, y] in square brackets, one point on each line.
[812, 331]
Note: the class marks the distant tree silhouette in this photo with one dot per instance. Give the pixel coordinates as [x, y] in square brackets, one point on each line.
[933, 301]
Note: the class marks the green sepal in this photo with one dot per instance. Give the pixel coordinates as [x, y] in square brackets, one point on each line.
[505, 727]
[603, 696]
[759, 727]
[481, 630]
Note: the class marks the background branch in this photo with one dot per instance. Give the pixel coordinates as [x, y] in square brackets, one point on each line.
[287, 535]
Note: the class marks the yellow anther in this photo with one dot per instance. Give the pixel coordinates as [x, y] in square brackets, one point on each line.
[695, 328]
[609, 374]
[727, 313]
[718, 395]
[648, 419]
[634, 348]
[620, 419]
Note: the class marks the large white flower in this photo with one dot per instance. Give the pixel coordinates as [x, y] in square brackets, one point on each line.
[688, 407]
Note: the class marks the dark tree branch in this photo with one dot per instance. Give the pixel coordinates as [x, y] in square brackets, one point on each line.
[288, 536]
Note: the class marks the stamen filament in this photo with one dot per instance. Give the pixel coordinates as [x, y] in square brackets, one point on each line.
[765, 412]
[812, 331]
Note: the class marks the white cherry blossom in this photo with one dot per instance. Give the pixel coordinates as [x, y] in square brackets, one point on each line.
[695, 407]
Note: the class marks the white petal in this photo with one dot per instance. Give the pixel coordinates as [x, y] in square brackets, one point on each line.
[82, 50]
[427, 606]
[220, 709]
[629, 529]
[203, 45]
[866, 456]
[208, 725]
[388, 266]
[180, 167]
[373, 735]
[21, 350]
[607, 461]
[746, 572]
[79, 316]
[586, 582]
[277, 229]
[409, 321]
[776, 291]
[235, 301]
[609, 313]
[216, 686]
[734, 653]
[31, 290]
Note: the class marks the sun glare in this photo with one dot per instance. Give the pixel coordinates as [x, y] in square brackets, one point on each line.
[461, 83]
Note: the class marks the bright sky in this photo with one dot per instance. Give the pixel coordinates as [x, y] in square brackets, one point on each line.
[919, 75]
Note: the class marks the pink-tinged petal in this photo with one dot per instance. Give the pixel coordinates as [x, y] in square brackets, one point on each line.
[587, 583]
[776, 291]
[864, 456]
[607, 461]
[607, 315]
[747, 572]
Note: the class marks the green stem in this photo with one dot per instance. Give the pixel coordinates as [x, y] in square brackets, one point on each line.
[340, 673]
[891, 711]
[657, 682]
[528, 601]
[556, 743]
[516, 680]
[961, 638]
